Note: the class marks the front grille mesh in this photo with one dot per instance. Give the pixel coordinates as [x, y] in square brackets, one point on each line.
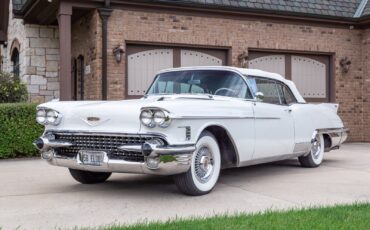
[100, 142]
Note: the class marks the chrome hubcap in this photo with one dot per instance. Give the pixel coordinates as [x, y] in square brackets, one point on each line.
[316, 147]
[203, 164]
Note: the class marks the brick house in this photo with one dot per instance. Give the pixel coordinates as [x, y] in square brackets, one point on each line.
[110, 49]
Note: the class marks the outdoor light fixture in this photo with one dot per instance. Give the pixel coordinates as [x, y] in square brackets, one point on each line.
[344, 64]
[243, 59]
[118, 51]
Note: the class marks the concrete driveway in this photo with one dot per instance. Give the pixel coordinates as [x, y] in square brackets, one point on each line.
[34, 195]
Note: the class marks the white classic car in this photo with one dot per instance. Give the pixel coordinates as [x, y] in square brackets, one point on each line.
[192, 123]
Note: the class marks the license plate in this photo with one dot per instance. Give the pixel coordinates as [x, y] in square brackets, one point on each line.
[95, 158]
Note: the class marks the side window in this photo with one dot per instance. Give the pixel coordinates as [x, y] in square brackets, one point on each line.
[269, 89]
[288, 96]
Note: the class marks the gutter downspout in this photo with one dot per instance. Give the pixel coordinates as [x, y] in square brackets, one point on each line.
[105, 13]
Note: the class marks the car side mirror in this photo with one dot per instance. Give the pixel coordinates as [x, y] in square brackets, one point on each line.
[260, 96]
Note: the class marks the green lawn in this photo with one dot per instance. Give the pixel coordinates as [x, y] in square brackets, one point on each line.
[355, 216]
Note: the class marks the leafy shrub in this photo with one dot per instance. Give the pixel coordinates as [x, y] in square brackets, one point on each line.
[12, 89]
[18, 130]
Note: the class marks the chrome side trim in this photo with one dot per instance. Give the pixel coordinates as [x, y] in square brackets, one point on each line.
[267, 118]
[269, 159]
[302, 147]
[212, 117]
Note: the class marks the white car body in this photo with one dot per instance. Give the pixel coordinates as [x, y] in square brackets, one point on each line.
[257, 132]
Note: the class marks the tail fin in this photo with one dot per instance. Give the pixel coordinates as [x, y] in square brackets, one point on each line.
[331, 106]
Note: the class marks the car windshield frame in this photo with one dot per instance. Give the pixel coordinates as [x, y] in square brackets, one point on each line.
[249, 95]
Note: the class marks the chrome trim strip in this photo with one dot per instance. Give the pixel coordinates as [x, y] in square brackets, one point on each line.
[212, 117]
[332, 130]
[77, 132]
[269, 159]
[267, 118]
[302, 147]
[157, 150]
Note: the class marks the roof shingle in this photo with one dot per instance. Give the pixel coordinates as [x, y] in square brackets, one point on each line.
[319, 8]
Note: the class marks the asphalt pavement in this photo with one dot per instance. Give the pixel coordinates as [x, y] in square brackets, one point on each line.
[35, 195]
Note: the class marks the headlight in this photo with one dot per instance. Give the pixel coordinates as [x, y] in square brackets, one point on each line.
[41, 116]
[146, 117]
[52, 116]
[161, 118]
[153, 117]
[48, 116]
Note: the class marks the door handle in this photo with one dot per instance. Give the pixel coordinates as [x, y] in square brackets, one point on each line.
[288, 110]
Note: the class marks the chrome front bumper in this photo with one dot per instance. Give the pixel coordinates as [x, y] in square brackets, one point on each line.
[159, 160]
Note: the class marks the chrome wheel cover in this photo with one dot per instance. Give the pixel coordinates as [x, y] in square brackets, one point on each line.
[316, 147]
[203, 164]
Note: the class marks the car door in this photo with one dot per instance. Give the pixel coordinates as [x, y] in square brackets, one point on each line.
[274, 124]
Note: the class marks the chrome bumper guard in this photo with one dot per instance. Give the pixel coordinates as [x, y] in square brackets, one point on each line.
[159, 160]
[337, 136]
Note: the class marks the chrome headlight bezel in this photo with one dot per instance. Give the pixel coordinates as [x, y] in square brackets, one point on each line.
[45, 116]
[157, 116]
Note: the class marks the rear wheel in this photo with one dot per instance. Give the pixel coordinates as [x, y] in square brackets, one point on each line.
[205, 168]
[86, 177]
[316, 155]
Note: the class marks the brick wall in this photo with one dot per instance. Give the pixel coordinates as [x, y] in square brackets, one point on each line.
[86, 41]
[366, 82]
[238, 34]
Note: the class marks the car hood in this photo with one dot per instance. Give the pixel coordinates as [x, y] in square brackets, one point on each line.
[98, 116]
[124, 116]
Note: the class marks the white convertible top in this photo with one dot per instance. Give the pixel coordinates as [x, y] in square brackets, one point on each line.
[246, 72]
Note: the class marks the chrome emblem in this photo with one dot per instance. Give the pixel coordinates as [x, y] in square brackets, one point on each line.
[94, 121]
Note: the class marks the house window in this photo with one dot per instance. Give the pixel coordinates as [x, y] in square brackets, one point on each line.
[15, 61]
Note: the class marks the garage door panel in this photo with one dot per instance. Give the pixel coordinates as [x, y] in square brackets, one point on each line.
[270, 63]
[143, 66]
[309, 76]
[195, 58]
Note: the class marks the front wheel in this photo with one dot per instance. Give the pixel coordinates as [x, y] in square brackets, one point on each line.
[205, 168]
[86, 177]
[316, 155]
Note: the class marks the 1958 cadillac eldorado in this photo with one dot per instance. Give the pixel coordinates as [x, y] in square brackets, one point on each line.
[192, 123]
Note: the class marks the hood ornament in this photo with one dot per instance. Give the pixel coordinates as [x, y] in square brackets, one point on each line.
[94, 121]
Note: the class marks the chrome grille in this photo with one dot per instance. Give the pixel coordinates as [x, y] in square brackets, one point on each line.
[103, 142]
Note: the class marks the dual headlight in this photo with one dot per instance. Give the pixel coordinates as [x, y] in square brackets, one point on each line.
[153, 117]
[48, 117]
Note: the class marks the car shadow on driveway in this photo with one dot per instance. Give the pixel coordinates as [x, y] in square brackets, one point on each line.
[139, 185]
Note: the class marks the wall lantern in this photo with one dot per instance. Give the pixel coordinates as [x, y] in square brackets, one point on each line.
[243, 59]
[344, 64]
[118, 51]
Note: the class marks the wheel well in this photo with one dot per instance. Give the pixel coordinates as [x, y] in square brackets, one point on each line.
[229, 156]
[327, 142]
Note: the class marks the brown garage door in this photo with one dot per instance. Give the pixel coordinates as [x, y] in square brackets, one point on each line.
[310, 73]
[144, 61]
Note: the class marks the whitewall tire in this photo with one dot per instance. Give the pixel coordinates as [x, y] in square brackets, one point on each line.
[316, 155]
[205, 168]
